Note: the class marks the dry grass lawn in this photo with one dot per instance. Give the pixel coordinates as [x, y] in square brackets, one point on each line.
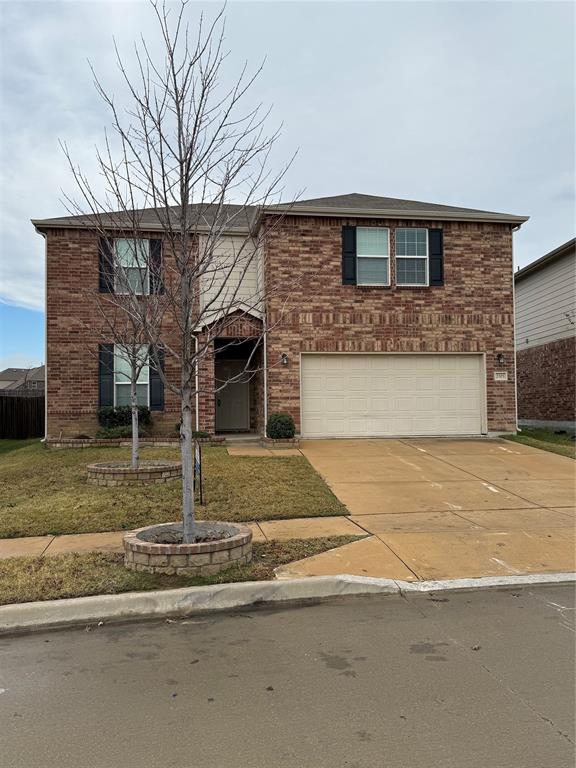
[25, 579]
[45, 491]
[563, 444]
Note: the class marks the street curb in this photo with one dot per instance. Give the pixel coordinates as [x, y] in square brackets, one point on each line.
[488, 582]
[49, 614]
[183, 601]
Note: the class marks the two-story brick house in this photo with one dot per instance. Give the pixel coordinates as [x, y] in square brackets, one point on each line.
[401, 323]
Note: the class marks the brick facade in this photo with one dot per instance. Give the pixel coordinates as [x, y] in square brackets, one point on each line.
[547, 381]
[471, 312]
[72, 339]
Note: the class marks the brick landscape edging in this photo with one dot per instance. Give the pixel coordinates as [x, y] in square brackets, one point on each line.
[56, 443]
[113, 473]
[201, 559]
[284, 442]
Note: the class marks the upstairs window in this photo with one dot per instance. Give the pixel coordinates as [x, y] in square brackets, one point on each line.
[132, 258]
[411, 257]
[122, 376]
[372, 256]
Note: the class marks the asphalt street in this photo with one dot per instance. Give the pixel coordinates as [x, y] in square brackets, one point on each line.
[457, 680]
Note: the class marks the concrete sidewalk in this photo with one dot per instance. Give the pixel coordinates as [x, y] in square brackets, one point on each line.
[278, 530]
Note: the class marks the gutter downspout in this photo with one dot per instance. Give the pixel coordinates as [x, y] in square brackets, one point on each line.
[43, 234]
[265, 371]
[196, 383]
[514, 229]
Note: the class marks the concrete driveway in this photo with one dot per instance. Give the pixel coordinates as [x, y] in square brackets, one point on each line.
[440, 508]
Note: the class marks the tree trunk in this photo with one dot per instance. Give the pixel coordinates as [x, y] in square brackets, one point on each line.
[187, 467]
[135, 438]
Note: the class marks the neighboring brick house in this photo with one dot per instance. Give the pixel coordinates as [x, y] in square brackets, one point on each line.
[401, 324]
[22, 379]
[546, 339]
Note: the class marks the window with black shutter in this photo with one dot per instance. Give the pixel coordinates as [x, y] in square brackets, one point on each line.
[156, 383]
[436, 256]
[349, 255]
[106, 265]
[106, 375]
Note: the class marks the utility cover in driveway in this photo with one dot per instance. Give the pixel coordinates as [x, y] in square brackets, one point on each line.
[384, 395]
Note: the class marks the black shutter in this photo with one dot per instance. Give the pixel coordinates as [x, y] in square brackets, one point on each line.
[348, 255]
[156, 282]
[106, 266]
[156, 383]
[106, 375]
[436, 256]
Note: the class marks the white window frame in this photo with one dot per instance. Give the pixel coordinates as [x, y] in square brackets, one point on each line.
[117, 286]
[425, 259]
[374, 256]
[127, 383]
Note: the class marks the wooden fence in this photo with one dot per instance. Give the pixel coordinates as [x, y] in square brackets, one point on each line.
[21, 417]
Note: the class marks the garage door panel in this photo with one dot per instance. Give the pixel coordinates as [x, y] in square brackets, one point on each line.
[358, 383]
[335, 405]
[348, 395]
[359, 405]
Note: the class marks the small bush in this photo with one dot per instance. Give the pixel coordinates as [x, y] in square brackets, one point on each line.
[105, 433]
[122, 416]
[195, 433]
[280, 426]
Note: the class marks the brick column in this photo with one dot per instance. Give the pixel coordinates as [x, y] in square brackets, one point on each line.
[206, 408]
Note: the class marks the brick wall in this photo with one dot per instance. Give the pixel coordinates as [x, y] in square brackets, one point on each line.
[471, 312]
[313, 312]
[73, 338]
[547, 381]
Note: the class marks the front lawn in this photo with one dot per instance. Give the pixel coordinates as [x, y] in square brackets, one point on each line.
[45, 491]
[25, 579]
[547, 440]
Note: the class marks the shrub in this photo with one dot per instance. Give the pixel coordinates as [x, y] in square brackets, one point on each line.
[280, 426]
[121, 416]
[195, 433]
[115, 432]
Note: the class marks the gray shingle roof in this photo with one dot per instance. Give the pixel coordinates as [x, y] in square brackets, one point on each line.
[12, 374]
[239, 216]
[15, 374]
[242, 218]
[372, 204]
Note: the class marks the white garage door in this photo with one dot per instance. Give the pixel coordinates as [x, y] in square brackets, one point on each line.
[391, 395]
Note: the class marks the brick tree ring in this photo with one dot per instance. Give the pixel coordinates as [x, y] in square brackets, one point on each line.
[113, 473]
[159, 548]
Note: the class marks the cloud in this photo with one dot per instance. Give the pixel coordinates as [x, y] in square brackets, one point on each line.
[463, 103]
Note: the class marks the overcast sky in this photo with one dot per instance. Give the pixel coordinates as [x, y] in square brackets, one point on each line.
[464, 103]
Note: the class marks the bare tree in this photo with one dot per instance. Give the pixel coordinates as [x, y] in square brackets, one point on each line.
[187, 160]
[120, 317]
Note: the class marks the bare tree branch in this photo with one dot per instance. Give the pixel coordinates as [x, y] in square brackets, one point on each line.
[188, 163]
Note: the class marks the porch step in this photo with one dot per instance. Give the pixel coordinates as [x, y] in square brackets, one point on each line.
[241, 437]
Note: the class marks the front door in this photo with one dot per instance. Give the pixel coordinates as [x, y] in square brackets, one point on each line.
[233, 401]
